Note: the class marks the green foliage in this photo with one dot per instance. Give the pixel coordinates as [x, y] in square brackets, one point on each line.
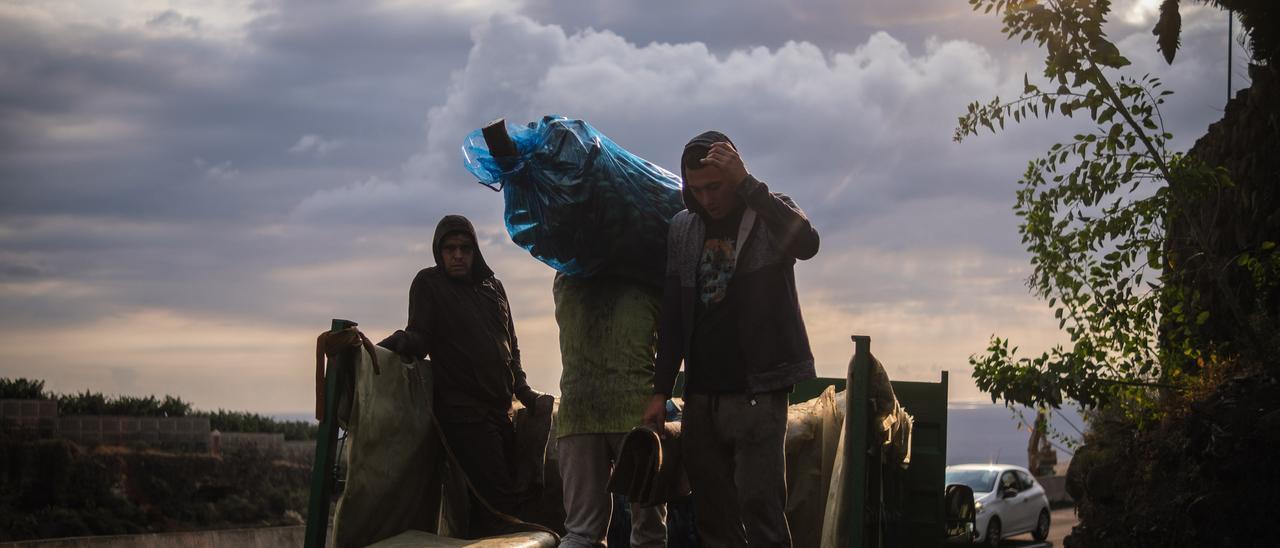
[240, 421]
[54, 488]
[1221, 274]
[85, 403]
[22, 389]
[95, 403]
[1154, 263]
[1260, 20]
[1168, 29]
[1094, 212]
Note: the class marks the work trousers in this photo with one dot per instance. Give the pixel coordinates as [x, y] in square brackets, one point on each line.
[485, 447]
[585, 463]
[733, 452]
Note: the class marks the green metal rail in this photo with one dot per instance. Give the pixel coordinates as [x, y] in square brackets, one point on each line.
[885, 504]
[857, 419]
[336, 377]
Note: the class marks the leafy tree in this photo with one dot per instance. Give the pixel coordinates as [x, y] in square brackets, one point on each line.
[1105, 217]
[1260, 19]
[96, 403]
[22, 389]
[174, 407]
[84, 403]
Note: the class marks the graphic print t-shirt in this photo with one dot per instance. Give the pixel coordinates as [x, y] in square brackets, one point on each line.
[715, 365]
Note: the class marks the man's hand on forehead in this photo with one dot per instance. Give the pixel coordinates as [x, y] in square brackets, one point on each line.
[724, 157]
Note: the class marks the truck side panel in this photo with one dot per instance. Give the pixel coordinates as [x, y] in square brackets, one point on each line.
[919, 512]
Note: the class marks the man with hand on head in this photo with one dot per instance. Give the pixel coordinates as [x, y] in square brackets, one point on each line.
[732, 316]
[460, 316]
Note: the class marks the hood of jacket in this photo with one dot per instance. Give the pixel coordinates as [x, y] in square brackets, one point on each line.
[703, 140]
[452, 224]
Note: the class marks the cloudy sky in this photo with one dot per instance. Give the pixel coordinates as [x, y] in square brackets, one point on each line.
[192, 189]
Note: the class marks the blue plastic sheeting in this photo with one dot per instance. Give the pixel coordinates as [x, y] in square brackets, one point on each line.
[579, 202]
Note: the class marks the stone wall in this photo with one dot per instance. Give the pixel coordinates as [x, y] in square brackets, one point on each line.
[273, 445]
[188, 433]
[40, 418]
[33, 416]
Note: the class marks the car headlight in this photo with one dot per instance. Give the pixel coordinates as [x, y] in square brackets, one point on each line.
[977, 507]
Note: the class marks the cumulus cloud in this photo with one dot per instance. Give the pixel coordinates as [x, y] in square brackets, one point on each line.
[173, 19]
[109, 227]
[315, 145]
[912, 248]
[815, 120]
[724, 25]
[918, 235]
[221, 171]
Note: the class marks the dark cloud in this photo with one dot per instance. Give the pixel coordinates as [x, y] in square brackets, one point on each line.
[108, 120]
[171, 18]
[289, 170]
[728, 24]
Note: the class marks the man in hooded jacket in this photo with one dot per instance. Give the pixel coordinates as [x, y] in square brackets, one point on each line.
[731, 314]
[459, 316]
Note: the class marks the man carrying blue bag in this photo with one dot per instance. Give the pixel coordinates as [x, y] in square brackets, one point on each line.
[607, 339]
[597, 214]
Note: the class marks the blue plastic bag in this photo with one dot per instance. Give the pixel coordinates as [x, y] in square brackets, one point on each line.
[579, 202]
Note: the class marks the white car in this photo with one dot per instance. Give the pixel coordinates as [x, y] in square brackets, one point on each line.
[1008, 500]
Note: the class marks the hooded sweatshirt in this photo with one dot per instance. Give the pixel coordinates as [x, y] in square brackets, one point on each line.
[755, 308]
[465, 327]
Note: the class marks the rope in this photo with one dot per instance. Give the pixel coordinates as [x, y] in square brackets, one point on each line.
[322, 344]
[453, 460]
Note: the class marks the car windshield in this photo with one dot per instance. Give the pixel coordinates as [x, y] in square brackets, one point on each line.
[981, 481]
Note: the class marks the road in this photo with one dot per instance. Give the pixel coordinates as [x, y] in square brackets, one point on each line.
[1060, 523]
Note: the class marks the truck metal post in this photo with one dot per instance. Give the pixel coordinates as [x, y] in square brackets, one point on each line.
[327, 443]
[855, 430]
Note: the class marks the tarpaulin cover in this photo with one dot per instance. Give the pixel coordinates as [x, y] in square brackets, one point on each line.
[813, 432]
[579, 202]
[393, 482]
[396, 466]
[394, 473]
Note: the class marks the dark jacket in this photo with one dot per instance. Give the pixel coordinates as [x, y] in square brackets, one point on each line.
[466, 329]
[773, 234]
